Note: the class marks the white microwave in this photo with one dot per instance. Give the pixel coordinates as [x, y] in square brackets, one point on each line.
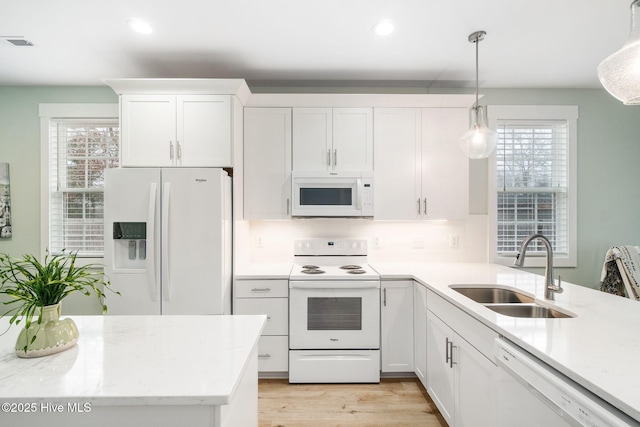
[343, 195]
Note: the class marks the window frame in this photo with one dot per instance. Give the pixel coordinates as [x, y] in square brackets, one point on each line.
[569, 113]
[69, 111]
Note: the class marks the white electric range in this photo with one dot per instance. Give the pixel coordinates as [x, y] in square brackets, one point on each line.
[334, 313]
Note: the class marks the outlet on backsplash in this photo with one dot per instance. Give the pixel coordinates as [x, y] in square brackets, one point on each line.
[454, 241]
[375, 242]
[418, 243]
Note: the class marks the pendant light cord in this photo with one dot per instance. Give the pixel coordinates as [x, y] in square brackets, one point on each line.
[477, 80]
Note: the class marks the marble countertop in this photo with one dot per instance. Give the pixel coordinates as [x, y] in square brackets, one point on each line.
[136, 360]
[598, 349]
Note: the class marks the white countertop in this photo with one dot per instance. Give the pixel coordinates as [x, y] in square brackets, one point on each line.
[598, 349]
[136, 360]
[258, 271]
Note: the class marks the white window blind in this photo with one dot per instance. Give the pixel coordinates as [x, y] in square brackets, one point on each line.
[532, 177]
[80, 151]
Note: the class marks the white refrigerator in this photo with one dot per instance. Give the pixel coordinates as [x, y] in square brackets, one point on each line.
[168, 240]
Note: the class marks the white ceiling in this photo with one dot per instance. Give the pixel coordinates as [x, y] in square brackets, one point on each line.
[529, 44]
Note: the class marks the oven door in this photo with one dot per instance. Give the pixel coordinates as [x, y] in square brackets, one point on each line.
[334, 314]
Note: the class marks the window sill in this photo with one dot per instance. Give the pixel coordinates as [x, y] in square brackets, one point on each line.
[537, 261]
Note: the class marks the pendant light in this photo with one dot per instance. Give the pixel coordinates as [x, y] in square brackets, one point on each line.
[620, 72]
[479, 141]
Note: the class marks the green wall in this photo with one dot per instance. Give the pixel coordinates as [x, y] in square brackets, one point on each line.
[608, 172]
[20, 147]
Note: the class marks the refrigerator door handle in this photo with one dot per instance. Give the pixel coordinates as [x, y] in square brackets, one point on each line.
[151, 244]
[166, 285]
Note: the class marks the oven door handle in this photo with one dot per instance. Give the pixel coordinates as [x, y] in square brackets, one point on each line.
[334, 284]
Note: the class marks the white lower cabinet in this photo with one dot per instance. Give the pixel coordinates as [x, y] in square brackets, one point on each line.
[396, 316]
[460, 370]
[271, 298]
[420, 332]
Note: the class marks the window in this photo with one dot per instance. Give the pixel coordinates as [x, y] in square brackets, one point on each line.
[81, 142]
[532, 179]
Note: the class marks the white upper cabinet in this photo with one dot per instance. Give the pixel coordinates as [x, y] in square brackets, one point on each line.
[420, 171]
[445, 167]
[267, 163]
[176, 130]
[353, 139]
[398, 167]
[332, 139]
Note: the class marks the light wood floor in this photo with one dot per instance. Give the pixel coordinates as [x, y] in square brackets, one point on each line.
[393, 402]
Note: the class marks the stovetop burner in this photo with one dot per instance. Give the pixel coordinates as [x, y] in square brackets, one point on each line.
[315, 270]
[356, 271]
[310, 267]
[351, 267]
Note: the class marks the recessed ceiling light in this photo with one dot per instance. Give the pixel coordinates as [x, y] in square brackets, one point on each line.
[139, 26]
[383, 28]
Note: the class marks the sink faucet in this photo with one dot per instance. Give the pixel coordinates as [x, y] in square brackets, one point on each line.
[550, 288]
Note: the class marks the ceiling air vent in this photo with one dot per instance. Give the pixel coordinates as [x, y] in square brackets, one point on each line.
[14, 41]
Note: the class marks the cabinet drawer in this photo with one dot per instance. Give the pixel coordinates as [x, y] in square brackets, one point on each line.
[261, 288]
[273, 354]
[276, 309]
[477, 334]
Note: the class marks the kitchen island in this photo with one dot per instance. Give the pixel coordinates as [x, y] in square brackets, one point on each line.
[137, 370]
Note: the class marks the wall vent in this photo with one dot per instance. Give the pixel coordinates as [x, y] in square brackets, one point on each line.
[17, 41]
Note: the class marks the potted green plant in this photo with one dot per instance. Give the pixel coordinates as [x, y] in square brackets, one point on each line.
[35, 287]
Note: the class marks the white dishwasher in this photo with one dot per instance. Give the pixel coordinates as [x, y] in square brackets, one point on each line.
[531, 393]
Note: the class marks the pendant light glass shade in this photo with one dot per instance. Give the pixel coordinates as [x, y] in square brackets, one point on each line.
[620, 72]
[479, 141]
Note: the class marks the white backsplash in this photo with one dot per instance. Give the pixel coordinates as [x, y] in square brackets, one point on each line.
[389, 241]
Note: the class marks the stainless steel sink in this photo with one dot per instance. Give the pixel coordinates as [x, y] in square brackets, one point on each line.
[492, 294]
[528, 310]
[508, 302]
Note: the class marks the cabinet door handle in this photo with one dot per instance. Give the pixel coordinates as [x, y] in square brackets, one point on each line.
[288, 205]
[449, 352]
[384, 299]
[418, 206]
[328, 157]
[446, 350]
[171, 150]
[335, 157]
[264, 356]
[425, 206]
[261, 290]
[179, 150]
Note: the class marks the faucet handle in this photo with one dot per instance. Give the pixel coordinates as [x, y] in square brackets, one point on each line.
[558, 288]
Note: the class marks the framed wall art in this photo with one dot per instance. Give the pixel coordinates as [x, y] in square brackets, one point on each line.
[5, 202]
